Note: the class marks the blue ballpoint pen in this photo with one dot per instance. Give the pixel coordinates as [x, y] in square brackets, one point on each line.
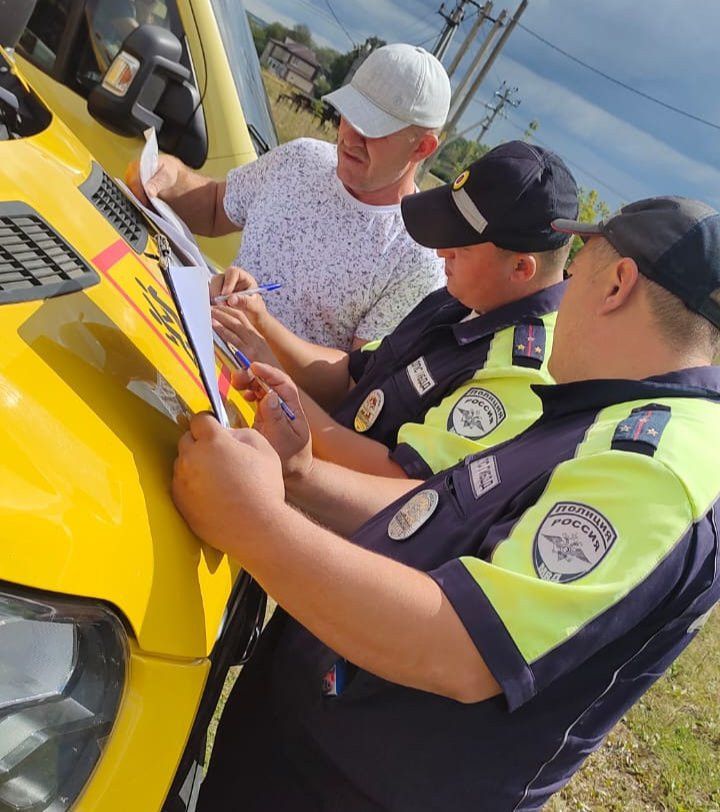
[249, 291]
[244, 363]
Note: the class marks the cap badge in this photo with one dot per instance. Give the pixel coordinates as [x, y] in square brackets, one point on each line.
[413, 515]
[369, 410]
[461, 180]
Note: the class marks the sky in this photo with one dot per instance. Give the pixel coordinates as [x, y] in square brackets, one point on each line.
[615, 141]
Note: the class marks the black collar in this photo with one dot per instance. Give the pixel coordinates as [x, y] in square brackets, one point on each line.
[566, 398]
[538, 304]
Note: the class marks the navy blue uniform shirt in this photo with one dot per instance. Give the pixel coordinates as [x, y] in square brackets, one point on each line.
[582, 557]
[431, 353]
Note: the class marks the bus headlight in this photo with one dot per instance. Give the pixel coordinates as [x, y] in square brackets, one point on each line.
[62, 670]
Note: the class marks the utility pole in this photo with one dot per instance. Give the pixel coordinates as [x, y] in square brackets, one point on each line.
[460, 109]
[457, 95]
[503, 93]
[452, 21]
[482, 15]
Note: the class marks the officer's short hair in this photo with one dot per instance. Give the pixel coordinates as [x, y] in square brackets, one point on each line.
[554, 261]
[681, 327]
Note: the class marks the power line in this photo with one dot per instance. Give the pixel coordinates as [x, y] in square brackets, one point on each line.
[617, 81]
[317, 10]
[337, 20]
[420, 26]
[425, 41]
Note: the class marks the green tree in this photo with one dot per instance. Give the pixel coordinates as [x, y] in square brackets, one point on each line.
[591, 208]
[322, 86]
[262, 35]
[531, 129]
[342, 64]
[301, 33]
[455, 156]
[339, 68]
[326, 56]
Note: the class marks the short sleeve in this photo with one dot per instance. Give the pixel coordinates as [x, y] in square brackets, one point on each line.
[598, 551]
[414, 278]
[494, 406]
[358, 359]
[245, 182]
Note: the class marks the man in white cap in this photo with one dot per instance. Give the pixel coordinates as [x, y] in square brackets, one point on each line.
[324, 220]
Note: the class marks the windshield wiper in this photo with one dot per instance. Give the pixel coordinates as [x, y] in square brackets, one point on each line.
[9, 111]
[260, 142]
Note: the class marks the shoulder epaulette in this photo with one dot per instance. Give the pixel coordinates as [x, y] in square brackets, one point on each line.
[642, 429]
[529, 344]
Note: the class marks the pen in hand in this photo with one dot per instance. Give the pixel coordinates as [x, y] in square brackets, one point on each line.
[248, 291]
[258, 383]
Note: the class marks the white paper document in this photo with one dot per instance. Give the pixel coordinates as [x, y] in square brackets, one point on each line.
[191, 297]
[175, 229]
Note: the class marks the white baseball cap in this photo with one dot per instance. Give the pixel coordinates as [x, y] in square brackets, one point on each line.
[396, 86]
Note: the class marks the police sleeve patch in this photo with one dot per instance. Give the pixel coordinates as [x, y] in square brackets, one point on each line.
[484, 475]
[642, 429]
[529, 344]
[476, 414]
[420, 376]
[571, 541]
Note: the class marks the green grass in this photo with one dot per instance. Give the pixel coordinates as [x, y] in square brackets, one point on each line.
[665, 754]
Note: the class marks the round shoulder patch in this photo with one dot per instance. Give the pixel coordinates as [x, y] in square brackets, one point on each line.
[369, 410]
[461, 180]
[476, 414]
[413, 515]
[571, 541]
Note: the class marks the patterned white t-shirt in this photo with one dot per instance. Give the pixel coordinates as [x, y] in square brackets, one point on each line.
[347, 268]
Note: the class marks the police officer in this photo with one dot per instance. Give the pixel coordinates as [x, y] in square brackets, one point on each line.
[455, 375]
[480, 636]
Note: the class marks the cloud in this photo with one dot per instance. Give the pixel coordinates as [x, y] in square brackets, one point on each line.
[603, 142]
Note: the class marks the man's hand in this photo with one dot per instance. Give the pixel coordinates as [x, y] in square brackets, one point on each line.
[225, 481]
[237, 279]
[234, 278]
[164, 179]
[290, 438]
[234, 327]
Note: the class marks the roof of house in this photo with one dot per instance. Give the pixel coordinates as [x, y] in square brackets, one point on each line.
[301, 51]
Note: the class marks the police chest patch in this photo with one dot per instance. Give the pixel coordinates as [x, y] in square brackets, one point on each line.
[476, 414]
[369, 410]
[420, 376]
[484, 475]
[571, 541]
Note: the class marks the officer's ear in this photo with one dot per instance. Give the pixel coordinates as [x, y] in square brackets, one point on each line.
[618, 284]
[525, 267]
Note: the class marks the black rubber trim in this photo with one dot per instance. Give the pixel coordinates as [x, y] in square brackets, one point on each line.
[35, 261]
[109, 199]
[245, 613]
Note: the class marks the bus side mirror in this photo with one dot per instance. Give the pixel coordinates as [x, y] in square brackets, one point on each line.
[147, 86]
[14, 18]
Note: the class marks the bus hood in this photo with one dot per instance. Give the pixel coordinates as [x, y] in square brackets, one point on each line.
[94, 389]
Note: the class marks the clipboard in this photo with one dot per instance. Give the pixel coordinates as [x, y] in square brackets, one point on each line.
[201, 347]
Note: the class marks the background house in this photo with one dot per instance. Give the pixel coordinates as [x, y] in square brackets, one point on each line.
[293, 62]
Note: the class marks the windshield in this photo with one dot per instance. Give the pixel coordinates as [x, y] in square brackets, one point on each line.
[245, 67]
[21, 113]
